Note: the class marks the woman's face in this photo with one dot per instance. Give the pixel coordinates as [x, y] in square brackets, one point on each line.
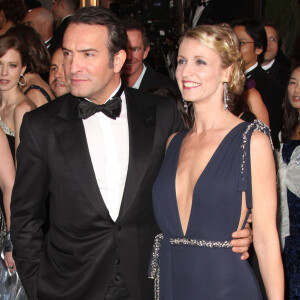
[10, 69]
[199, 72]
[294, 89]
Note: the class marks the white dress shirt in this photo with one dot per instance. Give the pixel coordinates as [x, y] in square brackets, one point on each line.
[108, 143]
[139, 80]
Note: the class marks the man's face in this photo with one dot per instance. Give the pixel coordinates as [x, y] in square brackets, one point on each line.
[57, 79]
[56, 10]
[248, 51]
[272, 48]
[86, 62]
[136, 53]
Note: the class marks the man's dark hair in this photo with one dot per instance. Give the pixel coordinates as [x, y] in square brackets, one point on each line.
[73, 5]
[257, 32]
[14, 10]
[117, 37]
[133, 24]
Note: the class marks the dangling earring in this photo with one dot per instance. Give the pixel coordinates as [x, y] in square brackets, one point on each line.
[22, 77]
[185, 106]
[225, 95]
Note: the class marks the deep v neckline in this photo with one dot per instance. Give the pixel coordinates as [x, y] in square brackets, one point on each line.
[199, 177]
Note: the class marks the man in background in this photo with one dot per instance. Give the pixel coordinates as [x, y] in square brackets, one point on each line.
[41, 19]
[271, 63]
[137, 73]
[57, 79]
[62, 12]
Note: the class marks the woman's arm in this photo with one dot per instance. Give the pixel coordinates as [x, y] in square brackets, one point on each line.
[7, 178]
[257, 106]
[265, 235]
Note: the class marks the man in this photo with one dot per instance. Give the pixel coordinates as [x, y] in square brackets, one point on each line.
[98, 169]
[57, 79]
[136, 72]
[253, 44]
[41, 19]
[217, 11]
[62, 12]
[271, 62]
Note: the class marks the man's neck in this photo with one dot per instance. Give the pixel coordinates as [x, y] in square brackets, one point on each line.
[131, 80]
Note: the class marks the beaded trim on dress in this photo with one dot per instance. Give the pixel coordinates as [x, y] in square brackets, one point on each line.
[6, 129]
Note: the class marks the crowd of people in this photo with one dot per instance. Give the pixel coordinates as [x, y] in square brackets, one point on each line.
[112, 173]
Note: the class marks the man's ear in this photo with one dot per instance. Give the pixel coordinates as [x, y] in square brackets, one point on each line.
[258, 51]
[146, 52]
[119, 60]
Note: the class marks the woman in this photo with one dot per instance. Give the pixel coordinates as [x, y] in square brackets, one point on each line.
[207, 184]
[10, 284]
[11, 12]
[7, 177]
[289, 185]
[32, 85]
[13, 104]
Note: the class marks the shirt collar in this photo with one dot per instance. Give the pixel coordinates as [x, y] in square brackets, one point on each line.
[269, 65]
[251, 68]
[139, 80]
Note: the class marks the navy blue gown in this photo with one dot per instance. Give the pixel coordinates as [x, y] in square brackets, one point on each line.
[188, 272]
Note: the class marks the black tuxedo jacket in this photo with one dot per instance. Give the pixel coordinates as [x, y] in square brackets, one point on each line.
[272, 95]
[219, 11]
[279, 73]
[76, 258]
[153, 79]
[59, 32]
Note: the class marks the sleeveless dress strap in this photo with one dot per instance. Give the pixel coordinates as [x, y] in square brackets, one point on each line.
[245, 175]
[36, 87]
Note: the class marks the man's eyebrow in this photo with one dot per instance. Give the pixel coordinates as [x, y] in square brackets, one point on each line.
[88, 50]
[53, 65]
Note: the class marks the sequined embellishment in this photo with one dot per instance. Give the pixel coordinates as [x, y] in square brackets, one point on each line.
[154, 271]
[200, 243]
[154, 265]
[2, 227]
[256, 125]
[6, 129]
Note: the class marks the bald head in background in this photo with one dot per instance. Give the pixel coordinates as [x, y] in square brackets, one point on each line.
[41, 19]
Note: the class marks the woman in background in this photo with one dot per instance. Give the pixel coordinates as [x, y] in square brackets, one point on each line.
[289, 185]
[13, 103]
[34, 87]
[12, 12]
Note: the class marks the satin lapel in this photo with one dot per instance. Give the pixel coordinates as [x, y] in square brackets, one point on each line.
[73, 144]
[141, 126]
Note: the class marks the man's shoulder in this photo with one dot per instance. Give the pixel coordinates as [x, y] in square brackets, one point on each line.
[61, 106]
[153, 79]
[144, 99]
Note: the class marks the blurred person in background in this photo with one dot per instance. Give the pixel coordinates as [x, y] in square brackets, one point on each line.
[11, 12]
[57, 78]
[34, 87]
[288, 159]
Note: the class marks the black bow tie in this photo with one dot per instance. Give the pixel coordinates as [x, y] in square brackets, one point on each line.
[112, 108]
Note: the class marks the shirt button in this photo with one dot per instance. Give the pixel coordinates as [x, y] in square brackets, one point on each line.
[117, 261]
[117, 278]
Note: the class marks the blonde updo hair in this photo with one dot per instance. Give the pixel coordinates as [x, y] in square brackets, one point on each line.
[222, 39]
